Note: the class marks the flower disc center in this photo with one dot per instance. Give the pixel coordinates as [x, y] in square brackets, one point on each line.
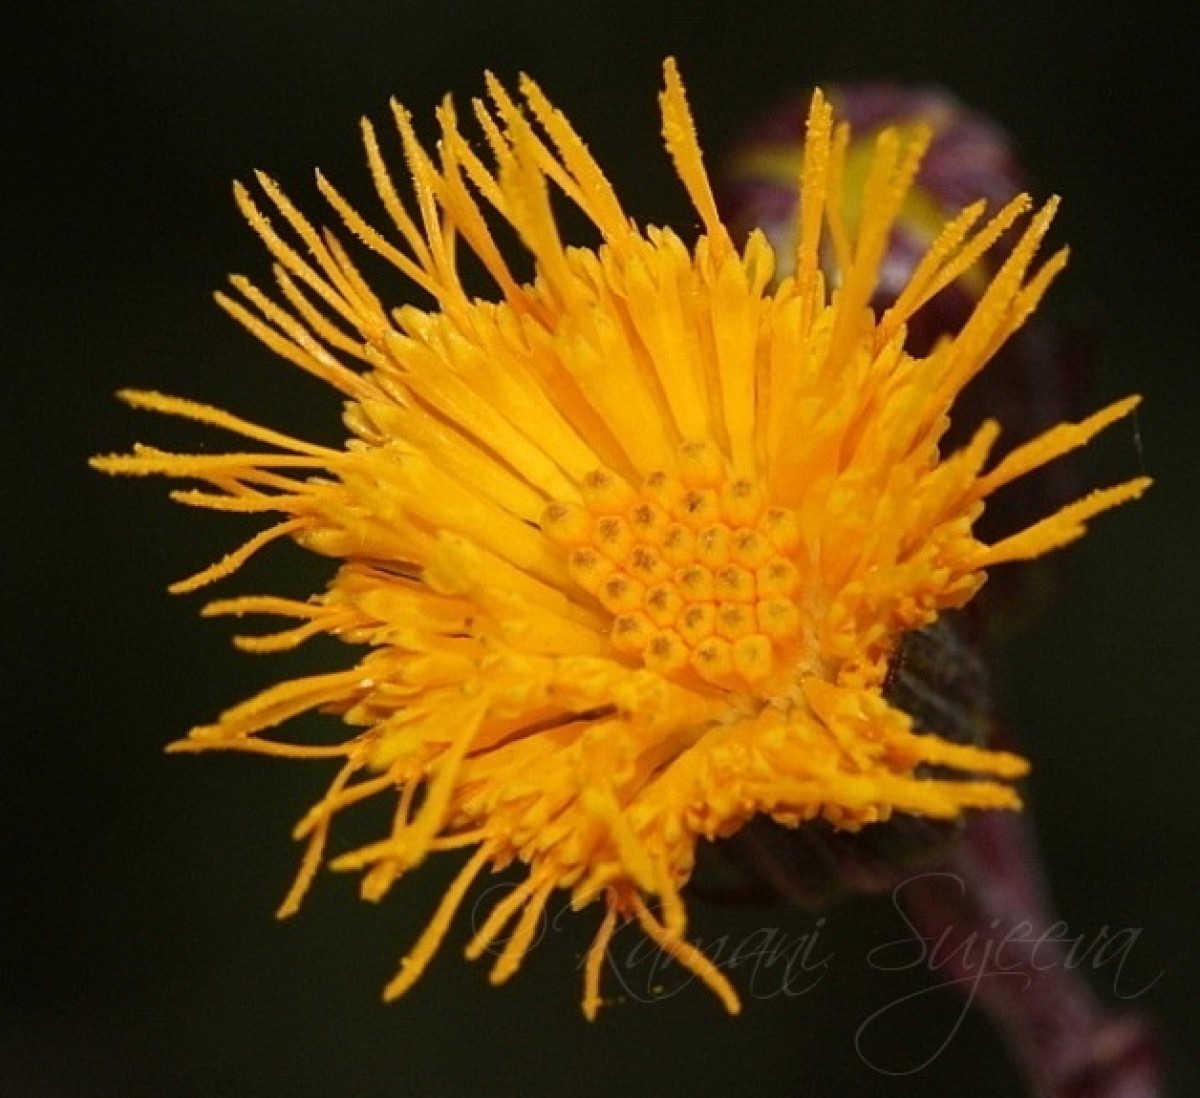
[693, 566]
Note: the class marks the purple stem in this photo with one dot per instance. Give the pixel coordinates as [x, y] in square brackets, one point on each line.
[991, 902]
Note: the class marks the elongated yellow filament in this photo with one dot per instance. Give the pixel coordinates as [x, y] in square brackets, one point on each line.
[688, 956]
[418, 958]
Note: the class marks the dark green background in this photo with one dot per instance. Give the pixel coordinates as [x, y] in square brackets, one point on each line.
[140, 957]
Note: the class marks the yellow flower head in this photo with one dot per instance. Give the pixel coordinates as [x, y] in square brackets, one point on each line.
[629, 547]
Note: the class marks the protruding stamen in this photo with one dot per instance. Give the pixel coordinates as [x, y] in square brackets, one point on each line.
[701, 465]
[666, 652]
[567, 523]
[712, 659]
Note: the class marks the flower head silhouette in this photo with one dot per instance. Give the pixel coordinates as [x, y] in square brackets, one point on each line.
[628, 548]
